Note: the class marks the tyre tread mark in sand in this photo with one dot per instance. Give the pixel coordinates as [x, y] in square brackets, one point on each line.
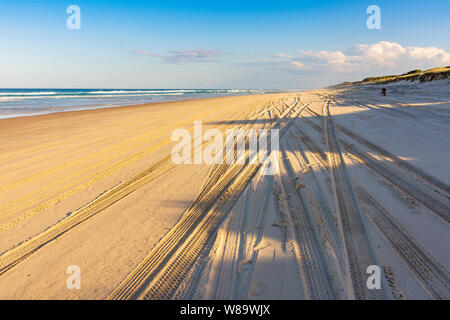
[431, 274]
[428, 199]
[399, 162]
[433, 277]
[428, 179]
[12, 257]
[315, 275]
[159, 274]
[49, 196]
[229, 244]
[358, 249]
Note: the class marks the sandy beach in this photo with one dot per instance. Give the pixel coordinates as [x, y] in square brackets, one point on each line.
[97, 189]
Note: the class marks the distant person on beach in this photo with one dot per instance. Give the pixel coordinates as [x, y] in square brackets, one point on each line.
[383, 91]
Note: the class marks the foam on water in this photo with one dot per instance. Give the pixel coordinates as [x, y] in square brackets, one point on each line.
[26, 102]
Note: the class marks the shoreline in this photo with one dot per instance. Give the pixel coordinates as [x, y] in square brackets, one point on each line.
[5, 123]
[105, 105]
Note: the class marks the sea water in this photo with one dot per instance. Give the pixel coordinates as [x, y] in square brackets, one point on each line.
[27, 102]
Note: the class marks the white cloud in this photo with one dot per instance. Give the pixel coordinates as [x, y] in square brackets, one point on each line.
[298, 65]
[318, 68]
[193, 56]
[283, 55]
[381, 55]
[278, 61]
[185, 55]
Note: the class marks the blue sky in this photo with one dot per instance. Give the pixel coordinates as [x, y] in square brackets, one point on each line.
[216, 44]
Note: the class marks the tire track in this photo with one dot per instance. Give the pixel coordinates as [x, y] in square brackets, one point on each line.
[323, 216]
[399, 162]
[413, 113]
[428, 199]
[172, 273]
[167, 281]
[137, 129]
[15, 255]
[126, 144]
[52, 197]
[313, 267]
[358, 248]
[386, 154]
[160, 273]
[433, 277]
[235, 245]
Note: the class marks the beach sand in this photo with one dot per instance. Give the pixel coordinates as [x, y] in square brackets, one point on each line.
[97, 189]
[54, 164]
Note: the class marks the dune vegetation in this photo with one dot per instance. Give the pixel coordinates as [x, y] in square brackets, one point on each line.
[414, 75]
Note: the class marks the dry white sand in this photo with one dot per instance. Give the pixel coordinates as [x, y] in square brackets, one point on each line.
[241, 235]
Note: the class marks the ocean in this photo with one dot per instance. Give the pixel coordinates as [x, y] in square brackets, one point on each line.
[28, 102]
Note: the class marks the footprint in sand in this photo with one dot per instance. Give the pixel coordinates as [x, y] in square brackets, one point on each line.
[256, 289]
